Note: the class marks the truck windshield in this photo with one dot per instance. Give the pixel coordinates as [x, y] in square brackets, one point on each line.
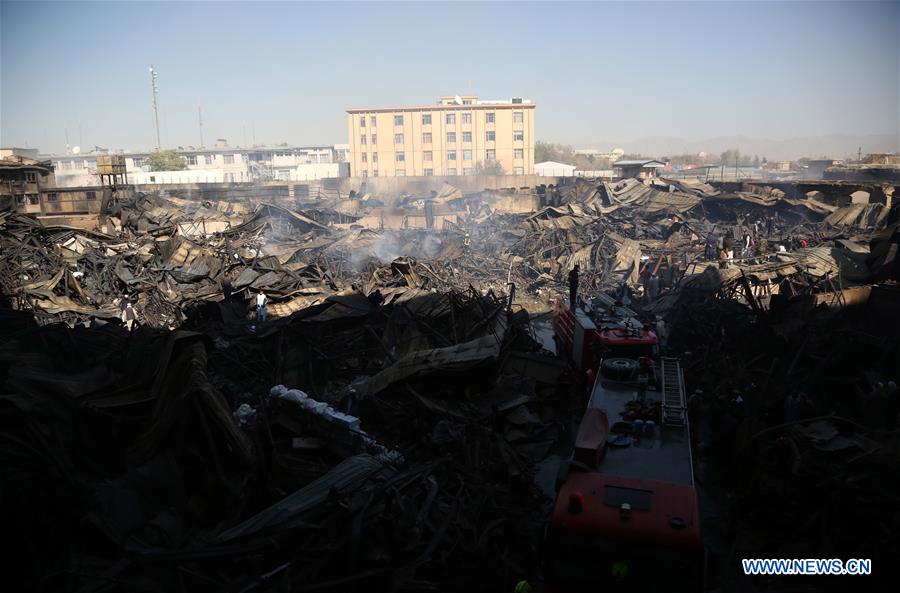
[597, 565]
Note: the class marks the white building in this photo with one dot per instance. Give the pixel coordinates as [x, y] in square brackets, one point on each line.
[554, 169]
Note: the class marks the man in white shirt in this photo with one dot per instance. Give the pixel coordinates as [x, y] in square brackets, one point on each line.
[261, 306]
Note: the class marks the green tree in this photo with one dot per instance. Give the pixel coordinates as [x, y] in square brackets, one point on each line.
[547, 151]
[166, 160]
[489, 168]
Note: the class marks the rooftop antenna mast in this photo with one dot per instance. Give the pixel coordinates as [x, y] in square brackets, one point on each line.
[154, 84]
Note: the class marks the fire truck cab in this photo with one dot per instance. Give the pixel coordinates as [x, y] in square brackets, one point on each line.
[626, 516]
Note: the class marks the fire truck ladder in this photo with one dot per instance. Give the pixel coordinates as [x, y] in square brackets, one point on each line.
[674, 405]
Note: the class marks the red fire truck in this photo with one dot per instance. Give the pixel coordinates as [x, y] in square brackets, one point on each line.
[626, 515]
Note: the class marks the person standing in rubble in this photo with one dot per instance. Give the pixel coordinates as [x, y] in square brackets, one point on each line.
[573, 287]
[226, 288]
[261, 300]
[128, 315]
[723, 258]
[711, 243]
[748, 245]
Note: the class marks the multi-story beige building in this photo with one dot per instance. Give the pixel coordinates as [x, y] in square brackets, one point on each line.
[457, 136]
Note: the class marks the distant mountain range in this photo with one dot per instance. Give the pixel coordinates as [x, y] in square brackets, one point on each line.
[832, 146]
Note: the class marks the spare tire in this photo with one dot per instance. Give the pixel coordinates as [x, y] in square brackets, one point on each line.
[619, 369]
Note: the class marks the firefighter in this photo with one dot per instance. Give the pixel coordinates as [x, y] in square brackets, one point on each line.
[573, 287]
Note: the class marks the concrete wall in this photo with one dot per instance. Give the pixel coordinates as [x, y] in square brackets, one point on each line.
[397, 186]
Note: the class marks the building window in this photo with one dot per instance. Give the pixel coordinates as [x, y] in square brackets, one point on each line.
[139, 162]
[153, 178]
[490, 136]
[374, 138]
[489, 117]
[398, 138]
[426, 156]
[31, 177]
[365, 157]
[426, 119]
[518, 136]
[429, 172]
[490, 155]
[374, 157]
[466, 118]
[519, 153]
[451, 171]
[467, 155]
[362, 139]
[372, 121]
[365, 173]
[467, 136]
[426, 138]
[362, 121]
[467, 101]
[518, 171]
[210, 159]
[451, 119]
[401, 172]
[51, 197]
[91, 195]
[451, 137]
[229, 159]
[191, 159]
[517, 117]
[400, 157]
[374, 173]
[468, 171]
[398, 120]
[451, 155]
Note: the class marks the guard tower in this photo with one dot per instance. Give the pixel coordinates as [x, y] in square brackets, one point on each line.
[114, 179]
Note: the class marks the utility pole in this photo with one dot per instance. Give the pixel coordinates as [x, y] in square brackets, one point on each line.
[859, 155]
[200, 120]
[154, 85]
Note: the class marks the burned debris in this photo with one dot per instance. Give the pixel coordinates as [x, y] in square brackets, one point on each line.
[380, 424]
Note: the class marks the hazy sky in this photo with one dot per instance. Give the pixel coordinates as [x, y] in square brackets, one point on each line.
[600, 73]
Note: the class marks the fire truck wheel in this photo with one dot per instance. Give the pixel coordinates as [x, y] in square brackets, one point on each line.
[619, 368]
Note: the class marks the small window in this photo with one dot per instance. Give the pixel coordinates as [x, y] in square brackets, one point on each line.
[466, 118]
[517, 117]
[468, 171]
[518, 136]
[426, 138]
[490, 136]
[374, 138]
[451, 155]
[398, 138]
[518, 171]
[489, 117]
[426, 119]
[429, 172]
[490, 155]
[153, 179]
[52, 197]
[362, 121]
[518, 153]
[362, 139]
[451, 137]
[467, 136]
[229, 159]
[372, 121]
[374, 173]
[139, 162]
[365, 157]
[398, 120]
[365, 173]
[31, 177]
[374, 157]
[467, 155]
[467, 101]
[191, 159]
[451, 119]
[427, 156]
[451, 171]
[401, 172]
[91, 195]
[400, 157]
[210, 159]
